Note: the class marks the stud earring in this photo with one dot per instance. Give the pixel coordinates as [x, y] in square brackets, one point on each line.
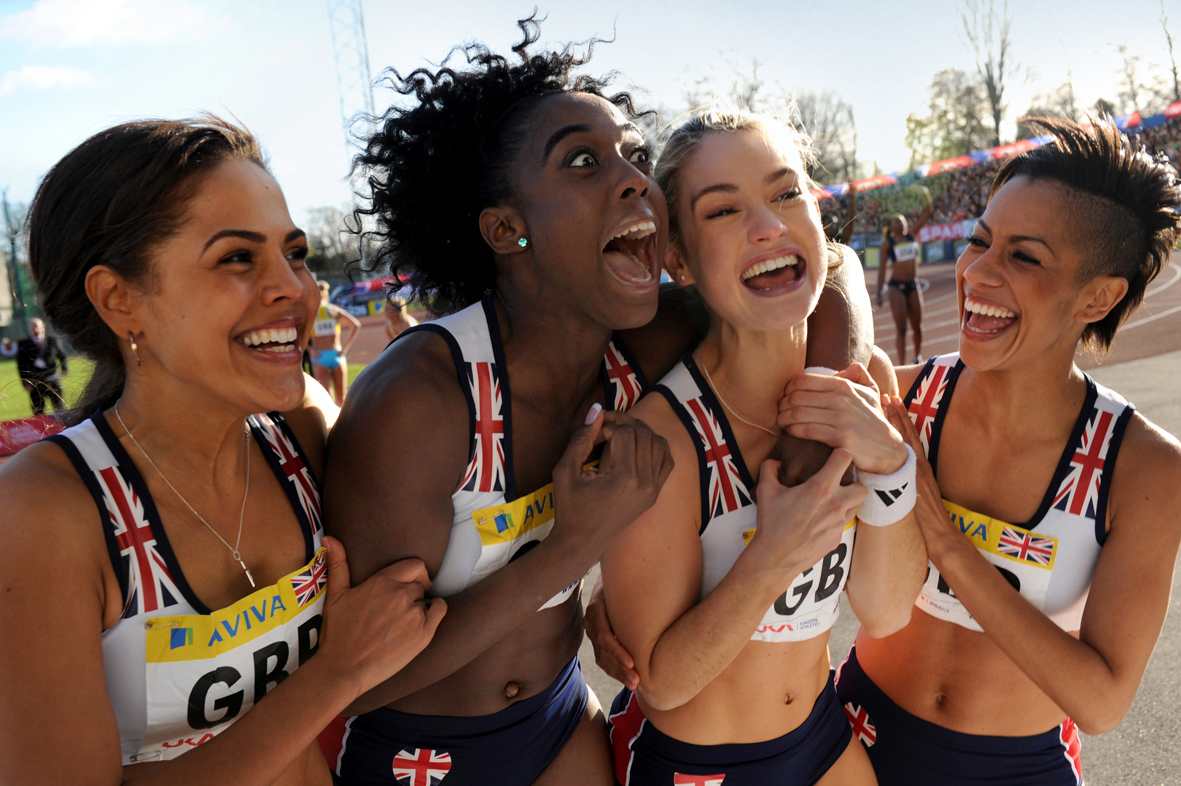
[682, 277]
[134, 348]
[523, 242]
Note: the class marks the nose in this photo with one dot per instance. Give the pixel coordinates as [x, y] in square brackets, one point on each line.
[632, 181]
[981, 269]
[766, 225]
[280, 281]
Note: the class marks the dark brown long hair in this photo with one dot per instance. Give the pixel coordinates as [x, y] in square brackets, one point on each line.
[110, 201]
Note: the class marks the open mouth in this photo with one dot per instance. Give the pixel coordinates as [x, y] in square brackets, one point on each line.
[275, 340]
[774, 273]
[986, 320]
[631, 255]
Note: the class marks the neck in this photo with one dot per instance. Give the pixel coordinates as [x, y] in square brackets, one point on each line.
[554, 350]
[192, 438]
[1031, 399]
[750, 369]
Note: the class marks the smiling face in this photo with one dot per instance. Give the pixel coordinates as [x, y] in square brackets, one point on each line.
[1018, 279]
[228, 305]
[750, 233]
[594, 218]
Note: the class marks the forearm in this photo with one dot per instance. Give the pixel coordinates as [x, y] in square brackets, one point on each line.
[840, 328]
[1071, 672]
[707, 638]
[886, 575]
[481, 615]
[266, 740]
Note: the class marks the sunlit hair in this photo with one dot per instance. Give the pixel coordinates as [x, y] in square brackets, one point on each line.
[718, 117]
[1122, 203]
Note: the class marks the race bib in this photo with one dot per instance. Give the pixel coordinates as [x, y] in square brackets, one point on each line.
[507, 531]
[324, 327]
[204, 671]
[906, 252]
[811, 604]
[1025, 558]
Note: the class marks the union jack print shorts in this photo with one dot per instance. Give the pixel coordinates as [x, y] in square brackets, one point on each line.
[508, 748]
[909, 751]
[644, 756]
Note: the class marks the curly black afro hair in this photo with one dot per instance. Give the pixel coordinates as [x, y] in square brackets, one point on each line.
[433, 165]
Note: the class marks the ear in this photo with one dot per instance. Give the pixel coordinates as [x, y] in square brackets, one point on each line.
[113, 299]
[503, 228]
[675, 265]
[1099, 296]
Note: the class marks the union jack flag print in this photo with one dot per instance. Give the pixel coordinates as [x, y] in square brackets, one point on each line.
[1079, 492]
[1026, 546]
[307, 585]
[421, 767]
[680, 779]
[295, 468]
[859, 720]
[622, 378]
[925, 405]
[727, 492]
[149, 583]
[486, 472]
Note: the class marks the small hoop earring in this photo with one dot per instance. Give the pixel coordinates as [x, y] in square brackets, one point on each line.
[134, 348]
[523, 242]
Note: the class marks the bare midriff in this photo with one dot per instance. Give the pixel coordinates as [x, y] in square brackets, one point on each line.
[956, 678]
[767, 691]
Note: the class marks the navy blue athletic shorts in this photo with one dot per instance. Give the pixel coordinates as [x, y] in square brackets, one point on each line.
[644, 756]
[909, 751]
[510, 747]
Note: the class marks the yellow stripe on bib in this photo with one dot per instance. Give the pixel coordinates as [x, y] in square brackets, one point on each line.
[505, 523]
[203, 636]
[1019, 544]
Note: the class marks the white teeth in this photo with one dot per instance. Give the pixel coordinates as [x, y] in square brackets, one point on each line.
[988, 310]
[285, 337]
[647, 272]
[637, 231]
[771, 264]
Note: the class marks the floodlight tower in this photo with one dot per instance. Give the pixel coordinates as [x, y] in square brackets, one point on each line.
[354, 83]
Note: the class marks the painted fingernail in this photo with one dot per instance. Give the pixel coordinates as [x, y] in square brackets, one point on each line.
[593, 413]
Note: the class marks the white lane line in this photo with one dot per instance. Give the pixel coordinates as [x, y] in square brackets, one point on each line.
[1162, 287]
[1152, 318]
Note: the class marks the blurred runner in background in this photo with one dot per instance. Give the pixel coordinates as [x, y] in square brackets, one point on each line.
[329, 365]
[37, 359]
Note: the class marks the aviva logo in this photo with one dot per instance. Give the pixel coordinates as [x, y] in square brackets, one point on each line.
[505, 523]
[1004, 539]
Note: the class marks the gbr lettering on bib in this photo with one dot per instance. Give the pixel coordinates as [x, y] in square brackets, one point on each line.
[811, 604]
[221, 664]
[1024, 557]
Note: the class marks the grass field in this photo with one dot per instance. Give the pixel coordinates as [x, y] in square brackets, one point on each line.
[14, 401]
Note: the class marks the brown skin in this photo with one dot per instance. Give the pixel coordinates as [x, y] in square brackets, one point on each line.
[906, 309]
[190, 421]
[1016, 404]
[557, 305]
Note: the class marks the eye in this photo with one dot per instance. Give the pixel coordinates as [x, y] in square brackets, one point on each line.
[240, 257]
[639, 156]
[296, 256]
[1025, 258]
[977, 241]
[722, 211]
[789, 195]
[583, 161]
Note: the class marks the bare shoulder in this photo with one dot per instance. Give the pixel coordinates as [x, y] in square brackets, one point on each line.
[883, 373]
[655, 410]
[1144, 480]
[906, 375]
[312, 421]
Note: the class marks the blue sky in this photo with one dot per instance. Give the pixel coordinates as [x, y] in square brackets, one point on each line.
[71, 67]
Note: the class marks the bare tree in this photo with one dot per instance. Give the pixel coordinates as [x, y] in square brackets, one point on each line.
[991, 40]
[1164, 23]
[1129, 76]
[332, 246]
[1060, 102]
[958, 119]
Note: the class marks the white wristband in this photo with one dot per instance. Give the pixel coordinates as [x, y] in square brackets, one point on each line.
[820, 371]
[891, 496]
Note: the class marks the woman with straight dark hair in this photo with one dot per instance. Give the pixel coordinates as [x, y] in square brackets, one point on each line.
[180, 575]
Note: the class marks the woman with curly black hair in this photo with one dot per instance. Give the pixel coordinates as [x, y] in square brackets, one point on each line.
[518, 196]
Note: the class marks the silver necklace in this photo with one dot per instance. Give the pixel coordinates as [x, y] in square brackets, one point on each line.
[241, 515]
[718, 393]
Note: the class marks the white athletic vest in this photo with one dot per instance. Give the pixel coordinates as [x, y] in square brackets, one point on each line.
[177, 672]
[1051, 558]
[325, 324]
[811, 604]
[493, 525]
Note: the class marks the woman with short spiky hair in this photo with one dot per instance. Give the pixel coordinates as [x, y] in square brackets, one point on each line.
[1053, 529]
